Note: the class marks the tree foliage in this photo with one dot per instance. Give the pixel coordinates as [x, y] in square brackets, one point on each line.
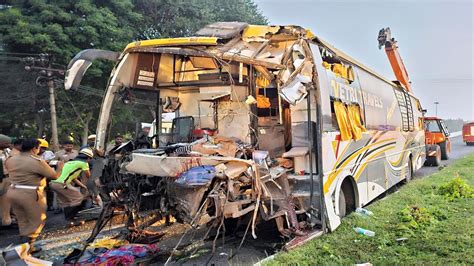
[62, 28]
[168, 18]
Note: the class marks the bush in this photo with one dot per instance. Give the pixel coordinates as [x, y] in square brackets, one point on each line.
[456, 189]
[414, 217]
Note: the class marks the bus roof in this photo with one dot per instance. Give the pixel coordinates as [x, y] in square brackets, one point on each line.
[222, 33]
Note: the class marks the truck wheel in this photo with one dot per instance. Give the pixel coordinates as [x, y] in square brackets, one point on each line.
[470, 143]
[444, 150]
[436, 159]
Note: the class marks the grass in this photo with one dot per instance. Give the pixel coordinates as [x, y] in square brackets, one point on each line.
[431, 227]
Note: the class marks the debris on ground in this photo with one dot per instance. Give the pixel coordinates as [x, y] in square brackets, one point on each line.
[364, 212]
[124, 255]
[363, 231]
[109, 243]
[20, 255]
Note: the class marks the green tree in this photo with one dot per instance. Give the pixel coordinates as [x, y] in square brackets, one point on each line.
[168, 18]
[62, 28]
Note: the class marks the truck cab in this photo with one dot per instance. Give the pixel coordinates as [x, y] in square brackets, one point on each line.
[468, 133]
[437, 140]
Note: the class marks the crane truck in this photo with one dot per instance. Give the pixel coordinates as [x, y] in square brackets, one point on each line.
[437, 141]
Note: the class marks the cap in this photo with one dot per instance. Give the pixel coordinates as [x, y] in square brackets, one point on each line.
[87, 152]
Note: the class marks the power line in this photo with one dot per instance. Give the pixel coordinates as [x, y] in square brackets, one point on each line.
[28, 54]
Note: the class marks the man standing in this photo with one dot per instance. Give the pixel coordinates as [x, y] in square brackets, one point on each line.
[28, 174]
[117, 142]
[67, 153]
[5, 208]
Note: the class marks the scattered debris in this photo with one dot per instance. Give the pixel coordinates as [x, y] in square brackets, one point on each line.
[109, 243]
[124, 255]
[364, 212]
[363, 231]
[20, 255]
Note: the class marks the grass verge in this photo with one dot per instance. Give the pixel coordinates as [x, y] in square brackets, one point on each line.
[418, 224]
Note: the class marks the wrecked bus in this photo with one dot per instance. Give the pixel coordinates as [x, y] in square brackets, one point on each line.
[268, 123]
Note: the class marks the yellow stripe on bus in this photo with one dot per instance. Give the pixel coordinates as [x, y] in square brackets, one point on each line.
[334, 174]
[359, 172]
[173, 42]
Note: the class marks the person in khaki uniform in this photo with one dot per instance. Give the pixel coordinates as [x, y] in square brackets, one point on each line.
[5, 206]
[28, 175]
[67, 153]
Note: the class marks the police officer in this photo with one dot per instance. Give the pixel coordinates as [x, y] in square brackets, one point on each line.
[28, 174]
[5, 143]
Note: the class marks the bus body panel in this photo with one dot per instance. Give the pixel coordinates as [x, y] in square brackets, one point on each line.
[380, 158]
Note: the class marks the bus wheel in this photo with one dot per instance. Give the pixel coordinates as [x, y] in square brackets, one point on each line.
[410, 170]
[342, 204]
[444, 150]
[346, 198]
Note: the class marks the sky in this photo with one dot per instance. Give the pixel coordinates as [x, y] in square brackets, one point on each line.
[435, 39]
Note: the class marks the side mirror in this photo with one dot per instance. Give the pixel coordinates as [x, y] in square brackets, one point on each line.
[81, 62]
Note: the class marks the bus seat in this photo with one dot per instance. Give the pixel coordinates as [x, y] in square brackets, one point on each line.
[182, 128]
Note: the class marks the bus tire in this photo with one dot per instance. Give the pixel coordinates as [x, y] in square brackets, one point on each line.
[409, 176]
[346, 198]
[444, 150]
[470, 143]
[342, 204]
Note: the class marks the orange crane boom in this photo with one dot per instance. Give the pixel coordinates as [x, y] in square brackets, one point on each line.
[391, 48]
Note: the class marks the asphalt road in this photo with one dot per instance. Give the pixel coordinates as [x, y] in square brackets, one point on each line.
[458, 150]
[253, 250]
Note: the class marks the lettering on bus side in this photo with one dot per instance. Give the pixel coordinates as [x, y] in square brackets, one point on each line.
[349, 94]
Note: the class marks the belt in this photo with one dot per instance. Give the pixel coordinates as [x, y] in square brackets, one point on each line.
[25, 187]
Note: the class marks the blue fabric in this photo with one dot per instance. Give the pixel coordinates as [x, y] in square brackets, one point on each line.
[197, 176]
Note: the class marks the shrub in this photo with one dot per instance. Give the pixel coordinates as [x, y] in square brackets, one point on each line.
[456, 189]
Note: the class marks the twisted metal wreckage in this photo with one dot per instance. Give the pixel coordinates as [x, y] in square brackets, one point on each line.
[243, 144]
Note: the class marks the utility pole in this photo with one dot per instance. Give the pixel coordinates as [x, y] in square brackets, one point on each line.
[436, 107]
[54, 122]
[46, 79]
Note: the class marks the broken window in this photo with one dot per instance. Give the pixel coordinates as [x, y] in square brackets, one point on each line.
[298, 75]
[349, 120]
[337, 66]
